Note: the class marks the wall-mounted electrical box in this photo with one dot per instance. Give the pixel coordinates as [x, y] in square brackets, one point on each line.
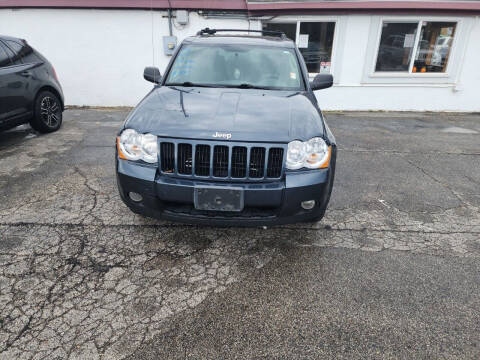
[182, 17]
[169, 44]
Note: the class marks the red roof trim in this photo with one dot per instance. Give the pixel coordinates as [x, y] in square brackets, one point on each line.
[252, 7]
[128, 4]
[366, 5]
[391, 12]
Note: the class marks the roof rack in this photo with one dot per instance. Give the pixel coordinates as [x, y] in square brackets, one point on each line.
[209, 31]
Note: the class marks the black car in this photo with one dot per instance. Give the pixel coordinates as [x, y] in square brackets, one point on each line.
[231, 135]
[29, 88]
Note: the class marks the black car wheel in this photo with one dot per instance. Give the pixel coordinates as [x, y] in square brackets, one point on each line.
[48, 113]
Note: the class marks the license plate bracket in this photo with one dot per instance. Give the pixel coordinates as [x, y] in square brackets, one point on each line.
[218, 198]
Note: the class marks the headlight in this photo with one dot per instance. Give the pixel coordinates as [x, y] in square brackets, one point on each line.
[312, 154]
[317, 153]
[135, 146]
[149, 148]
[296, 155]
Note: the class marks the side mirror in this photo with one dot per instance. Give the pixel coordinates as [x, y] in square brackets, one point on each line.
[152, 74]
[321, 81]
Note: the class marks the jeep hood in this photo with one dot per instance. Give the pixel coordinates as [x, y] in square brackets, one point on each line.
[247, 114]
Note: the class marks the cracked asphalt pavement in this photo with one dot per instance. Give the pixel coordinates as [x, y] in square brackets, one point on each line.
[393, 271]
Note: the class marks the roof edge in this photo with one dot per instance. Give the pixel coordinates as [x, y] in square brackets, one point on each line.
[128, 4]
[366, 5]
[251, 6]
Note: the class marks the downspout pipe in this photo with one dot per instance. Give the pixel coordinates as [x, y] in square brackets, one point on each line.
[170, 18]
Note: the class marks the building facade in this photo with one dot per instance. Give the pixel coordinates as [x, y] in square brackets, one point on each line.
[384, 55]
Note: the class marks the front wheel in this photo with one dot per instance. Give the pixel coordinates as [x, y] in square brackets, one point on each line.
[48, 113]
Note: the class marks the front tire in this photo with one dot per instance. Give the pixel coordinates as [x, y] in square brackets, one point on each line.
[48, 113]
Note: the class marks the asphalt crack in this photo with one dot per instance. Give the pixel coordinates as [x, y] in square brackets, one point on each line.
[80, 282]
[443, 184]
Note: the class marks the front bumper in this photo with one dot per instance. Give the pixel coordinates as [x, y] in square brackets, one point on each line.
[269, 203]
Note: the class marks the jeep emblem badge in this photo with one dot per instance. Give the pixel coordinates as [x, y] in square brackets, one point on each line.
[227, 136]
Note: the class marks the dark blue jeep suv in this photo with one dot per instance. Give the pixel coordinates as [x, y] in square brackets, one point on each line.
[231, 135]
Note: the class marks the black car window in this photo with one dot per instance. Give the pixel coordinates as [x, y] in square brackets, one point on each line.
[16, 48]
[4, 59]
[22, 52]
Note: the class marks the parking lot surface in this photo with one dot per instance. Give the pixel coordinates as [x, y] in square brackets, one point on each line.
[393, 271]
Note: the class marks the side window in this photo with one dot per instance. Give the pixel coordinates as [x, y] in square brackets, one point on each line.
[22, 52]
[16, 48]
[4, 59]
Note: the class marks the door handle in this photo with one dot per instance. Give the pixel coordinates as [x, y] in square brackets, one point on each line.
[26, 73]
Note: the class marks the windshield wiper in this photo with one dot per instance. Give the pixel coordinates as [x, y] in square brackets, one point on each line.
[240, 86]
[250, 86]
[190, 84]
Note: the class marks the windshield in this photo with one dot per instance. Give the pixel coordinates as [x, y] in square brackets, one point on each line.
[244, 66]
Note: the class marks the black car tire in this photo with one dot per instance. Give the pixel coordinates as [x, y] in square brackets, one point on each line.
[47, 113]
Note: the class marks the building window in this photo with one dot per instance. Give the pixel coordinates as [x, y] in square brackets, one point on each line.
[396, 46]
[430, 41]
[434, 46]
[316, 45]
[314, 40]
[289, 29]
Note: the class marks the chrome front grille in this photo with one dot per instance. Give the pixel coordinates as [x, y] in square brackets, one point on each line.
[221, 160]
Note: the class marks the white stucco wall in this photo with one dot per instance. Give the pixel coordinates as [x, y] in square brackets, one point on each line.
[99, 56]
[355, 90]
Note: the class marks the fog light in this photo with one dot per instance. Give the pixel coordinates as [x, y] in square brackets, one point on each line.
[135, 196]
[308, 205]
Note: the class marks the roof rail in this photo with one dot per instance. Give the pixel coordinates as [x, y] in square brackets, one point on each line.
[209, 31]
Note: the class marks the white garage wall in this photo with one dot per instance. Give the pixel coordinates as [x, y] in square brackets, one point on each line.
[99, 56]
[355, 91]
